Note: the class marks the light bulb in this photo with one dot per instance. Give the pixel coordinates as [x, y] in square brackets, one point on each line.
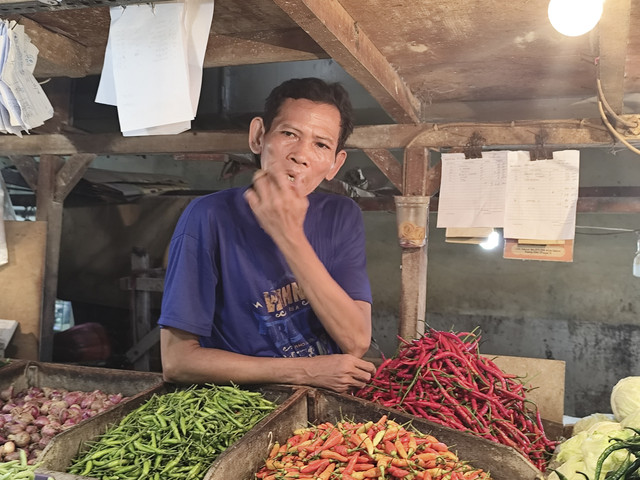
[574, 17]
[492, 241]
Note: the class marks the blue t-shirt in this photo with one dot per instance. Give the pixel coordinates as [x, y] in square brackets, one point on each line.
[228, 283]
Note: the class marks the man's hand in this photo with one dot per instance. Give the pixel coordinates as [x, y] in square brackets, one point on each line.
[340, 373]
[277, 205]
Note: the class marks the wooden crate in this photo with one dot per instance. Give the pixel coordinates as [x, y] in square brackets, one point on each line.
[59, 454]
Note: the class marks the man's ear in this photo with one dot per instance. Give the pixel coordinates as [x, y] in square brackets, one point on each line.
[256, 135]
[341, 156]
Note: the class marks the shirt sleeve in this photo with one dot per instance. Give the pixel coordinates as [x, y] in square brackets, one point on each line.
[188, 301]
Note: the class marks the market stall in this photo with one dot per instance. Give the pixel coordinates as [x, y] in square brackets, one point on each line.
[436, 410]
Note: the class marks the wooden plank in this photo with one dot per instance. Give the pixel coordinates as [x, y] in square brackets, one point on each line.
[271, 46]
[140, 307]
[331, 26]
[28, 168]
[49, 210]
[58, 56]
[21, 284]
[387, 163]
[416, 172]
[547, 379]
[413, 291]
[614, 29]
[71, 173]
[561, 134]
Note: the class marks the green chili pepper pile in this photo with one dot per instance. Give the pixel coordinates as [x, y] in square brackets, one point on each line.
[17, 469]
[175, 435]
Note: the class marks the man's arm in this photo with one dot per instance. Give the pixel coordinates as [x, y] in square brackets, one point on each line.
[281, 212]
[185, 361]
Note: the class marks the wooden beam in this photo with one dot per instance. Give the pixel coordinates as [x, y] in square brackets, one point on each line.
[561, 134]
[49, 210]
[28, 168]
[331, 26]
[418, 179]
[614, 28]
[273, 46]
[71, 173]
[55, 180]
[387, 163]
[58, 56]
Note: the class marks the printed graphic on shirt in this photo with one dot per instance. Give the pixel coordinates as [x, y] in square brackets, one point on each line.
[284, 315]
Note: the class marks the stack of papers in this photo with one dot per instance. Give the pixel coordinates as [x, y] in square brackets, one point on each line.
[153, 63]
[529, 199]
[23, 103]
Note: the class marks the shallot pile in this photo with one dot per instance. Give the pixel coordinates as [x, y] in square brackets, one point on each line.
[31, 418]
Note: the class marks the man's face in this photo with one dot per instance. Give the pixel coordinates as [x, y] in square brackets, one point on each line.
[301, 144]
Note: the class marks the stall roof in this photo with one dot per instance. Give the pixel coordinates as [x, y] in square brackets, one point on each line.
[423, 61]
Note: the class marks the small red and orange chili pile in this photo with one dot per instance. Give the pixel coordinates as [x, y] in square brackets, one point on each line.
[442, 377]
[356, 451]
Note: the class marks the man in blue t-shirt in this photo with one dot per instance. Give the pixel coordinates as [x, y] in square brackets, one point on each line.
[268, 283]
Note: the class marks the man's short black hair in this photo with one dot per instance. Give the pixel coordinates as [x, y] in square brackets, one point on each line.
[316, 90]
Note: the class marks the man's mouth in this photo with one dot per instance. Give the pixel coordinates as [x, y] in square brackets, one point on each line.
[291, 178]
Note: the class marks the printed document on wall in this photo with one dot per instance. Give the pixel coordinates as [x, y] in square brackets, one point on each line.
[542, 196]
[472, 190]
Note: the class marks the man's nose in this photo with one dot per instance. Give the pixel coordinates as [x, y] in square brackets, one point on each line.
[300, 154]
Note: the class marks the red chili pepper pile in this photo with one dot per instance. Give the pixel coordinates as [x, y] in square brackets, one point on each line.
[356, 451]
[442, 377]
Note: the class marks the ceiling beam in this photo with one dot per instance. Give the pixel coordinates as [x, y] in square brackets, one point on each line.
[614, 29]
[387, 163]
[331, 26]
[58, 56]
[273, 46]
[559, 134]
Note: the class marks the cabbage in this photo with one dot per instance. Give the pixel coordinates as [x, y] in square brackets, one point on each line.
[606, 426]
[586, 422]
[571, 448]
[625, 397]
[570, 470]
[632, 420]
[596, 443]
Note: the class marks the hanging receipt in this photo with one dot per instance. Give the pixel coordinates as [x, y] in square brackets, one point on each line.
[542, 196]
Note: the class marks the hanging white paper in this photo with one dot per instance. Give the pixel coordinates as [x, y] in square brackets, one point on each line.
[542, 197]
[472, 191]
[156, 84]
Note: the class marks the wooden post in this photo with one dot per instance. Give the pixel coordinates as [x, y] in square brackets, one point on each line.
[419, 178]
[55, 179]
[140, 305]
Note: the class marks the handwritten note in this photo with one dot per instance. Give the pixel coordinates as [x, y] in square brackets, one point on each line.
[23, 103]
[542, 197]
[472, 191]
[153, 65]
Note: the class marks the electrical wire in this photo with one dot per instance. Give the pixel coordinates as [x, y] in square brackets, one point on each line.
[602, 104]
[626, 123]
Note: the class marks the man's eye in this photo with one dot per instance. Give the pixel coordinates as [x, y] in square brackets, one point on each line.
[287, 133]
[323, 145]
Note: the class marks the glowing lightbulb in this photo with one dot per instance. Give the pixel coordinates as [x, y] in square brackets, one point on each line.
[574, 17]
[492, 241]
